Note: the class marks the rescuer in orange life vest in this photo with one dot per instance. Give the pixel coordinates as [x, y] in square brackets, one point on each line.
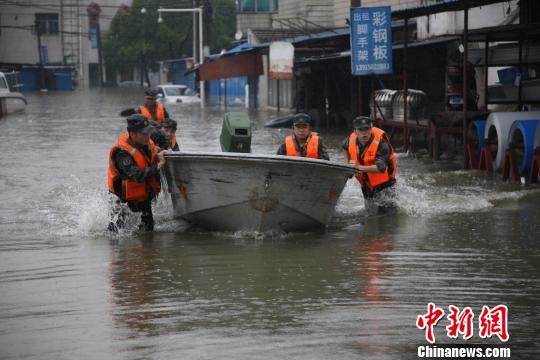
[369, 149]
[304, 142]
[133, 176]
[151, 109]
[169, 127]
[159, 136]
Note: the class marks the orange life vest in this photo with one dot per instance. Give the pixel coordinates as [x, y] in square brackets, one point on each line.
[132, 190]
[372, 180]
[312, 150]
[160, 113]
[173, 142]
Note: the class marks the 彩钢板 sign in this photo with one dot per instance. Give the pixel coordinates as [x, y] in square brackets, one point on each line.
[371, 41]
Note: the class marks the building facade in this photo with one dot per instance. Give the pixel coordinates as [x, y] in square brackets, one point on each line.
[67, 32]
[322, 83]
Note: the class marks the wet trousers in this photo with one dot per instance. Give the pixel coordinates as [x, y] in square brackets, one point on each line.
[118, 212]
[381, 202]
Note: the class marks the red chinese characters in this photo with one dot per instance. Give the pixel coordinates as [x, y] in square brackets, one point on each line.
[494, 322]
[460, 322]
[429, 320]
[490, 322]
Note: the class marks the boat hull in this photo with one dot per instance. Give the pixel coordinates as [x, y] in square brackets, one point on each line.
[226, 191]
[281, 122]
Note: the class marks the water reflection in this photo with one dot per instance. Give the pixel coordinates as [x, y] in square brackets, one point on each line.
[132, 273]
[372, 265]
[159, 285]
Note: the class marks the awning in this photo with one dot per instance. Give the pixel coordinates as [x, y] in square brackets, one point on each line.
[440, 6]
[246, 60]
[347, 54]
[232, 66]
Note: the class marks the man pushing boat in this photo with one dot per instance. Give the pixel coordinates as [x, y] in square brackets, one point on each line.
[304, 142]
[369, 149]
[133, 176]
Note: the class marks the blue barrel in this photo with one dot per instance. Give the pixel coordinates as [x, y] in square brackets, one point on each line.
[29, 78]
[527, 130]
[480, 129]
[62, 77]
[475, 134]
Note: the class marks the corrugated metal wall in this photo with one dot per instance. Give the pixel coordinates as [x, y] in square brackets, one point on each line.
[178, 69]
[236, 91]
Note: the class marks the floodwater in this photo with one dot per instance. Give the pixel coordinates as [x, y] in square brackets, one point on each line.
[70, 290]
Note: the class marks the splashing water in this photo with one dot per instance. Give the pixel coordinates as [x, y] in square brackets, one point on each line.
[81, 210]
[451, 192]
[427, 194]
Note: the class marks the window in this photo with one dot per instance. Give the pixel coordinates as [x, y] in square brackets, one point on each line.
[47, 23]
[175, 91]
[257, 5]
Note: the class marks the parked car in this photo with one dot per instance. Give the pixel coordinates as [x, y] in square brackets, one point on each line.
[10, 101]
[177, 94]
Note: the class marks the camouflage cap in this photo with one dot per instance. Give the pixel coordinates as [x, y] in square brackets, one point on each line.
[138, 123]
[150, 93]
[302, 118]
[169, 123]
[362, 123]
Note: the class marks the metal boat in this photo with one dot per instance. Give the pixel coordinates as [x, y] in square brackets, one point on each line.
[10, 102]
[236, 191]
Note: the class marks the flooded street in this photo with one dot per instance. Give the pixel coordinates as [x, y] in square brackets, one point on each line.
[71, 290]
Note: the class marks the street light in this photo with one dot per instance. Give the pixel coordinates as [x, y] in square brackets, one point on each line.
[159, 19]
[143, 10]
[201, 56]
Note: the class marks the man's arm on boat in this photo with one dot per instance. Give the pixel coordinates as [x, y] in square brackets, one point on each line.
[128, 170]
[323, 153]
[345, 147]
[383, 155]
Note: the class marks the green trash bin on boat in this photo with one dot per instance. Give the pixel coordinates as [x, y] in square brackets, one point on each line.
[236, 133]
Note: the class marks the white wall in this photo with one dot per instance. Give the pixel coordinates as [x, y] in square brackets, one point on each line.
[315, 11]
[342, 8]
[439, 24]
[109, 9]
[19, 45]
[452, 22]
[245, 21]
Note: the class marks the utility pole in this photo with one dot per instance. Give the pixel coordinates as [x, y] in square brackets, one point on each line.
[142, 69]
[207, 16]
[201, 55]
[100, 58]
[41, 69]
[194, 33]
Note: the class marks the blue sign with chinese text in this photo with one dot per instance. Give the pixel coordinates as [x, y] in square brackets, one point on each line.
[44, 54]
[371, 40]
[94, 38]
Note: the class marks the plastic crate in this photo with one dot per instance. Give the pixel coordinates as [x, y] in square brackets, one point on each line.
[508, 75]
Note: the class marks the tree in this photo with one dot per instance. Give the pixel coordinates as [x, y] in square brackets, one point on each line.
[221, 24]
[136, 38]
